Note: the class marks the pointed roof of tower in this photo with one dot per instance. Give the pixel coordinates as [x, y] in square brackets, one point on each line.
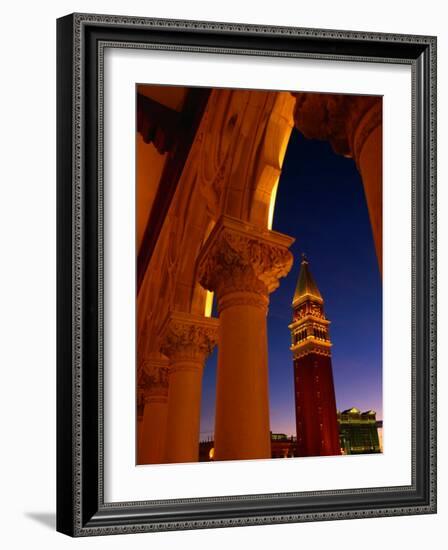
[306, 285]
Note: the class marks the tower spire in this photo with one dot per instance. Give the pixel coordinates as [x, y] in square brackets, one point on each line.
[306, 285]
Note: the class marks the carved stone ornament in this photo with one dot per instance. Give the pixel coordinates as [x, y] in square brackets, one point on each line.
[188, 337]
[345, 121]
[154, 377]
[240, 257]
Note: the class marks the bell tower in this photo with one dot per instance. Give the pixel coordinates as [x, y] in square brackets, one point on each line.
[316, 417]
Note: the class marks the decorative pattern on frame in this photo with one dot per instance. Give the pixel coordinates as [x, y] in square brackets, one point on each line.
[79, 23]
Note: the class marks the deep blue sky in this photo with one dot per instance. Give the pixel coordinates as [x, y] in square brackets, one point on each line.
[320, 202]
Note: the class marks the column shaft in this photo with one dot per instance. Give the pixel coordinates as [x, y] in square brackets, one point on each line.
[182, 444]
[153, 431]
[242, 401]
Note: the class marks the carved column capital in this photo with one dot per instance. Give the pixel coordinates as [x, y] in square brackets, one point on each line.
[243, 263]
[188, 338]
[344, 120]
[154, 378]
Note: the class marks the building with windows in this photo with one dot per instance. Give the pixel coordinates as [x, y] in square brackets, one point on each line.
[358, 432]
[283, 446]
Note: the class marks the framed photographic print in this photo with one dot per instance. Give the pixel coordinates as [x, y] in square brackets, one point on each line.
[246, 274]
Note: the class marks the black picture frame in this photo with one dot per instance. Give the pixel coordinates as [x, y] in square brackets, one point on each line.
[81, 510]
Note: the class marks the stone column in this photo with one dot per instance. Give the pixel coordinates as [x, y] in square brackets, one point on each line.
[242, 263]
[368, 154]
[187, 340]
[153, 427]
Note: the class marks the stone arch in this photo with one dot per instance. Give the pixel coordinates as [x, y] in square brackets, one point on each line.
[271, 155]
[243, 144]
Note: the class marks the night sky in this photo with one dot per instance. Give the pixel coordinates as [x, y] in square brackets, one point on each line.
[320, 202]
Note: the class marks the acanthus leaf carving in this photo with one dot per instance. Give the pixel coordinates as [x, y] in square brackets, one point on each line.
[343, 120]
[188, 337]
[154, 376]
[243, 258]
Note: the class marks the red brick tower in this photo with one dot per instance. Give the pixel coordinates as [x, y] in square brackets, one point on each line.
[316, 418]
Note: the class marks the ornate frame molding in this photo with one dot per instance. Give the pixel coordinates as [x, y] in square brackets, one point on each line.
[81, 510]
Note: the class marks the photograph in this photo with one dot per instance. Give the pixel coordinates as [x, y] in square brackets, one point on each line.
[259, 296]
